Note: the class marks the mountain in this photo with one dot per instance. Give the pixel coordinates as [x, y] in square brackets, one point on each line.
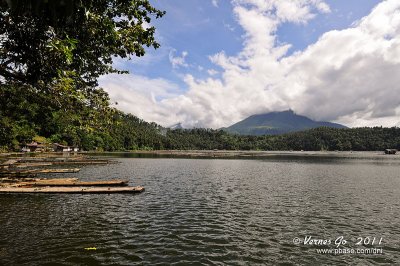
[275, 123]
[176, 126]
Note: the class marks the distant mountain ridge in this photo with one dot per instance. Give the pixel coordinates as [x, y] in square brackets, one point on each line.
[176, 126]
[275, 123]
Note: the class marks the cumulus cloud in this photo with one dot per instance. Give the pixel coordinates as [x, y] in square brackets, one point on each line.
[142, 96]
[352, 73]
[349, 76]
[178, 61]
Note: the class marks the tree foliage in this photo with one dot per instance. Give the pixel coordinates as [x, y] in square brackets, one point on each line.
[51, 55]
[42, 41]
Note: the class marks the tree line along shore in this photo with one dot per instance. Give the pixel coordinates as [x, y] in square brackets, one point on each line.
[129, 133]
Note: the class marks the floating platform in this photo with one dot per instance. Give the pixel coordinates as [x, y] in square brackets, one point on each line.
[80, 162]
[71, 190]
[39, 171]
[63, 160]
[5, 181]
[70, 183]
[26, 165]
[8, 163]
[13, 180]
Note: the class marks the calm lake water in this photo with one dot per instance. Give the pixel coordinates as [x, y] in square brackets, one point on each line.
[213, 212]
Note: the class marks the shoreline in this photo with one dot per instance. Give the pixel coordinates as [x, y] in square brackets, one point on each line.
[208, 153]
[254, 154]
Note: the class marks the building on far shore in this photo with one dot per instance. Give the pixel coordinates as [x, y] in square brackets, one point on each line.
[47, 147]
[63, 148]
[32, 147]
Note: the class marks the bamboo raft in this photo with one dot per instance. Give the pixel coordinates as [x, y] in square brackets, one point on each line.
[26, 165]
[39, 171]
[79, 162]
[79, 190]
[66, 185]
[62, 160]
[33, 163]
[20, 180]
[8, 163]
[14, 180]
[72, 182]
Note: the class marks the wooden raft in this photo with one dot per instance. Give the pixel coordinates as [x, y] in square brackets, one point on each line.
[71, 183]
[79, 190]
[65, 160]
[26, 165]
[40, 171]
[8, 163]
[65, 185]
[14, 180]
[6, 181]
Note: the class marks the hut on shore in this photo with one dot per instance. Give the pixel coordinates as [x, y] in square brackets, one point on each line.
[64, 148]
[32, 147]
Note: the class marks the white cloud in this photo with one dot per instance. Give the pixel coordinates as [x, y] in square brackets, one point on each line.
[212, 72]
[178, 61]
[352, 73]
[350, 76]
[141, 96]
[297, 11]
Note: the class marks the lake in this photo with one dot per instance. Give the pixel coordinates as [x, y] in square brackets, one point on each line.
[278, 210]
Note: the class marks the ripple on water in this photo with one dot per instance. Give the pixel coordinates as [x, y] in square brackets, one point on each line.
[217, 212]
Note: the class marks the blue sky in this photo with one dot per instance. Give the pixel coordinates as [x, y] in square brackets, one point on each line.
[194, 31]
[344, 13]
[201, 29]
